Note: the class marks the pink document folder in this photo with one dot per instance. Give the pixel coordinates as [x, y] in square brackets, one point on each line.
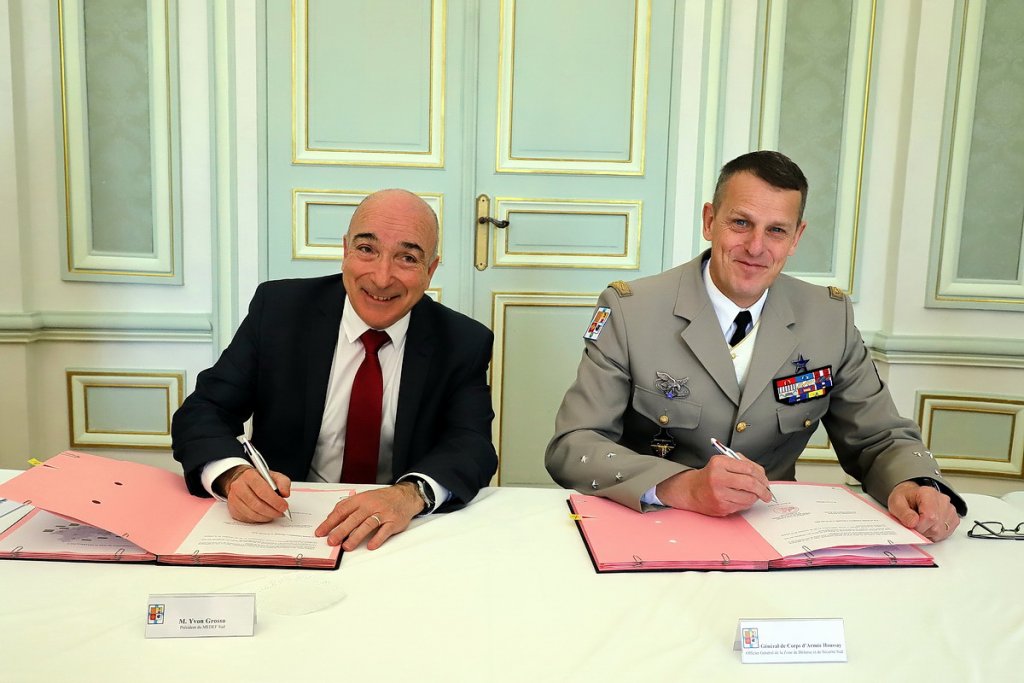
[619, 538]
[145, 505]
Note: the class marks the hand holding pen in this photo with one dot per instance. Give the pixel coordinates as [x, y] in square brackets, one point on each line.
[261, 466]
[730, 453]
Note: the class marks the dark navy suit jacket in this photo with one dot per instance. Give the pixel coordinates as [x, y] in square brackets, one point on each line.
[276, 370]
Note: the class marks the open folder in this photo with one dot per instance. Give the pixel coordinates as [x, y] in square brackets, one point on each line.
[811, 525]
[86, 507]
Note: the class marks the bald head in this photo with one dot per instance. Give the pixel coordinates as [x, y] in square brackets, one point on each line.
[396, 204]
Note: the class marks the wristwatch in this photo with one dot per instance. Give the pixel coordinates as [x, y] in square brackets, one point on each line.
[426, 493]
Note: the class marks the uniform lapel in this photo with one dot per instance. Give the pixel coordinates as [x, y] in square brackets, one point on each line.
[322, 338]
[420, 343]
[704, 335]
[774, 345]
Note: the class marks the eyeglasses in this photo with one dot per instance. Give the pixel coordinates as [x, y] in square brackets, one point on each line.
[997, 530]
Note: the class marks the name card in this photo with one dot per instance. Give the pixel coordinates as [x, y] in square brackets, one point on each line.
[768, 641]
[200, 615]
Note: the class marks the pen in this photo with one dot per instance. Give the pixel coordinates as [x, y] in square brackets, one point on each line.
[261, 466]
[728, 452]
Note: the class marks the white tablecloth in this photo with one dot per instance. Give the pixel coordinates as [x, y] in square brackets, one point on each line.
[505, 591]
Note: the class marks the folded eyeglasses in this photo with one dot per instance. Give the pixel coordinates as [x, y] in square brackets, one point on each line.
[997, 530]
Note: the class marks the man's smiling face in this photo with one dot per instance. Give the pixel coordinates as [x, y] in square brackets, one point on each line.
[755, 228]
[390, 256]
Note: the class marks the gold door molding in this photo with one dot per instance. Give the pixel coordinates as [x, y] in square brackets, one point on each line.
[382, 154]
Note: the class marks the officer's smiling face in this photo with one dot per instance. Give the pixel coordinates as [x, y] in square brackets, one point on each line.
[752, 233]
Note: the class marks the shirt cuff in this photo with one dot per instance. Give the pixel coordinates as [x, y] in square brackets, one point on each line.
[441, 494]
[212, 470]
[650, 497]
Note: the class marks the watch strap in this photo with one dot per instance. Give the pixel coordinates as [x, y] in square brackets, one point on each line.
[426, 492]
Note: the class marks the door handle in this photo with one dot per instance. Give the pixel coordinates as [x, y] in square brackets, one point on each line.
[483, 219]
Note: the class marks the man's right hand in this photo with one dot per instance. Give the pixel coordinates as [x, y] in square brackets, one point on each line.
[720, 488]
[250, 498]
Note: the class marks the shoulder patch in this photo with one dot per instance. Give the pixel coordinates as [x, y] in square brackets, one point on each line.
[597, 323]
[621, 287]
[836, 294]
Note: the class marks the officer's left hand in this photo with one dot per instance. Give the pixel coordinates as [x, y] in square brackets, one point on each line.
[923, 509]
[381, 512]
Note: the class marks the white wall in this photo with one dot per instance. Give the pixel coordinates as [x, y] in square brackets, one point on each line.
[221, 207]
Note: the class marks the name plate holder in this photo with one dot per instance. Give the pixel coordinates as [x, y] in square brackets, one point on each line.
[200, 615]
[775, 641]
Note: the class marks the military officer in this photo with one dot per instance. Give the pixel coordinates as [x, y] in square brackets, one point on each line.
[727, 347]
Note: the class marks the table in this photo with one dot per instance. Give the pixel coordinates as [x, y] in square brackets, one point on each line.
[505, 591]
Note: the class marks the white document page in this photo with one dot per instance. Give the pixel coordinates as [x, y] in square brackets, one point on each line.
[217, 533]
[44, 532]
[809, 517]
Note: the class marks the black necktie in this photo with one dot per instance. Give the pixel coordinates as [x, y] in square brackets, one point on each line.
[742, 320]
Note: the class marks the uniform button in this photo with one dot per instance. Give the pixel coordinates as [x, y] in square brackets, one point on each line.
[807, 423]
[663, 420]
[936, 472]
[741, 426]
[733, 355]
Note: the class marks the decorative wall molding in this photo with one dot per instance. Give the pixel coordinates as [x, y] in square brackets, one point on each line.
[105, 326]
[139, 419]
[995, 137]
[974, 433]
[848, 157]
[509, 160]
[83, 260]
[502, 303]
[551, 251]
[304, 246]
[384, 153]
[947, 351]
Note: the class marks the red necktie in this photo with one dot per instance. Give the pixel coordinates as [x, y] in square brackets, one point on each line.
[362, 431]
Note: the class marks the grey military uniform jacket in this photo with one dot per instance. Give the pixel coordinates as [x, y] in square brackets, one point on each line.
[667, 324]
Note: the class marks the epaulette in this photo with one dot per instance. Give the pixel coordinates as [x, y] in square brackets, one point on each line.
[836, 293]
[621, 287]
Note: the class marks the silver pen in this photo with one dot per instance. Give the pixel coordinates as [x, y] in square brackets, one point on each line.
[261, 466]
[730, 453]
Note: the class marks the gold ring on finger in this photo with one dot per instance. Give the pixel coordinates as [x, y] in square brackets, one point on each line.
[377, 519]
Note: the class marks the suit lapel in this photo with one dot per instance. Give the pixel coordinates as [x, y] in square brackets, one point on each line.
[704, 335]
[420, 344]
[774, 345]
[322, 338]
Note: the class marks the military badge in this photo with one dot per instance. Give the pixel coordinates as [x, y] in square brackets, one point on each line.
[671, 387]
[597, 323]
[804, 386]
[801, 364]
[662, 444]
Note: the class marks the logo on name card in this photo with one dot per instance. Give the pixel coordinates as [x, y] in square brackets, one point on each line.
[750, 640]
[156, 614]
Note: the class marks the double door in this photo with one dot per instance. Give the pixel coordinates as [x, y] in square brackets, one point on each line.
[550, 115]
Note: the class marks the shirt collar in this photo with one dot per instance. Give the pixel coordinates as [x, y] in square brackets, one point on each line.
[353, 327]
[725, 308]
